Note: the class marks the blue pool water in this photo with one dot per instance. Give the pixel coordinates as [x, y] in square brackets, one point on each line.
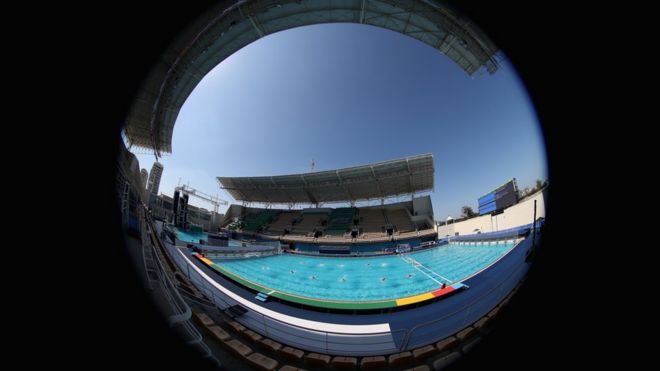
[365, 279]
[189, 236]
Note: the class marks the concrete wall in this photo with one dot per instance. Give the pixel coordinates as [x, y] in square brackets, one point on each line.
[204, 218]
[423, 206]
[520, 214]
[422, 221]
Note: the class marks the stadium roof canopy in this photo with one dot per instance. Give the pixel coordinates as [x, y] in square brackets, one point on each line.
[230, 26]
[376, 181]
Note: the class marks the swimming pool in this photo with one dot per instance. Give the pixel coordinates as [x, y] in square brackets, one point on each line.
[373, 279]
[194, 237]
[189, 236]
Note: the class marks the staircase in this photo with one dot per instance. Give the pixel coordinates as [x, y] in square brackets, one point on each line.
[261, 297]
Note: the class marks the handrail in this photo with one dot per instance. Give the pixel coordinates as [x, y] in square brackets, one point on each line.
[144, 239]
[222, 302]
[406, 339]
[297, 326]
[297, 335]
[172, 295]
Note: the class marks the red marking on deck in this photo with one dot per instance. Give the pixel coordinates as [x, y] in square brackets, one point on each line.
[440, 292]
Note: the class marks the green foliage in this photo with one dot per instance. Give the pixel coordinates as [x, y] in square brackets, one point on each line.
[468, 212]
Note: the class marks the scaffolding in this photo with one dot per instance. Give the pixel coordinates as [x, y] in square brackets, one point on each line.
[213, 200]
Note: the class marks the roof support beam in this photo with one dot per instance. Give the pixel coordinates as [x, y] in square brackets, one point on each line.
[150, 123]
[253, 21]
[362, 8]
[309, 194]
[263, 194]
[243, 195]
[380, 192]
[410, 177]
[394, 177]
[341, 183]
[405, 28]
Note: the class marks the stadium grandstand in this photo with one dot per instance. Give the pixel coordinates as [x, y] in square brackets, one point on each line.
[378, 181]
[406, 300]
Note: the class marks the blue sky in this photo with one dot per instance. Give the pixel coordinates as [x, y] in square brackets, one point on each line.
[347, 95]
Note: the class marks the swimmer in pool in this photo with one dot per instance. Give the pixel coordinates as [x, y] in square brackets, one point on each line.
[410, 275]
[292, 271]
[313, 277]
[382, 279]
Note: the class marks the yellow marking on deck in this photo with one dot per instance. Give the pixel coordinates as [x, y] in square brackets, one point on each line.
[414, 299]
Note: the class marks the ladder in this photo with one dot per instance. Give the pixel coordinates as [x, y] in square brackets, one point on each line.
[125, 199]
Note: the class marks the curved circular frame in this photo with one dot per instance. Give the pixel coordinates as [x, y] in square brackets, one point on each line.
[226, 29]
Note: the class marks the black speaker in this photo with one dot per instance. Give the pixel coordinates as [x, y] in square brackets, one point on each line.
[182, 215]
[175, 205]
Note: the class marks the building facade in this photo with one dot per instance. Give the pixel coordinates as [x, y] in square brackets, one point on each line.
[154, 179]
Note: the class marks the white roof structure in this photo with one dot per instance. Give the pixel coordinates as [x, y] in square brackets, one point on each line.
[376, 181]
[227, 28]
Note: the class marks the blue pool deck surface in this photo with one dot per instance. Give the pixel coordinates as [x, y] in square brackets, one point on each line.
[369, 278]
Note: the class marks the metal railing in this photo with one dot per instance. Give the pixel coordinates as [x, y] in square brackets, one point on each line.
[468, 307]
[332, 342]
[181, 312]
[268, 326]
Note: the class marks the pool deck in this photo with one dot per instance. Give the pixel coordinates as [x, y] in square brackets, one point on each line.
[363, 332]
[332, 304]
[403, 318]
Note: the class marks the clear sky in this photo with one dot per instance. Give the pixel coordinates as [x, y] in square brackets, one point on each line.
[347, 95]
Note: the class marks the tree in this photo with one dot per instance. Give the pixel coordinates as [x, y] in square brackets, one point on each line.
[539, 184]
[468, 212]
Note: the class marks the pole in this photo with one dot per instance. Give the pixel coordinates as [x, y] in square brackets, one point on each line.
[534, 226]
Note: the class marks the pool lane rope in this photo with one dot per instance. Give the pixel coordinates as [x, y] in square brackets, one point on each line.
[417, 266]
